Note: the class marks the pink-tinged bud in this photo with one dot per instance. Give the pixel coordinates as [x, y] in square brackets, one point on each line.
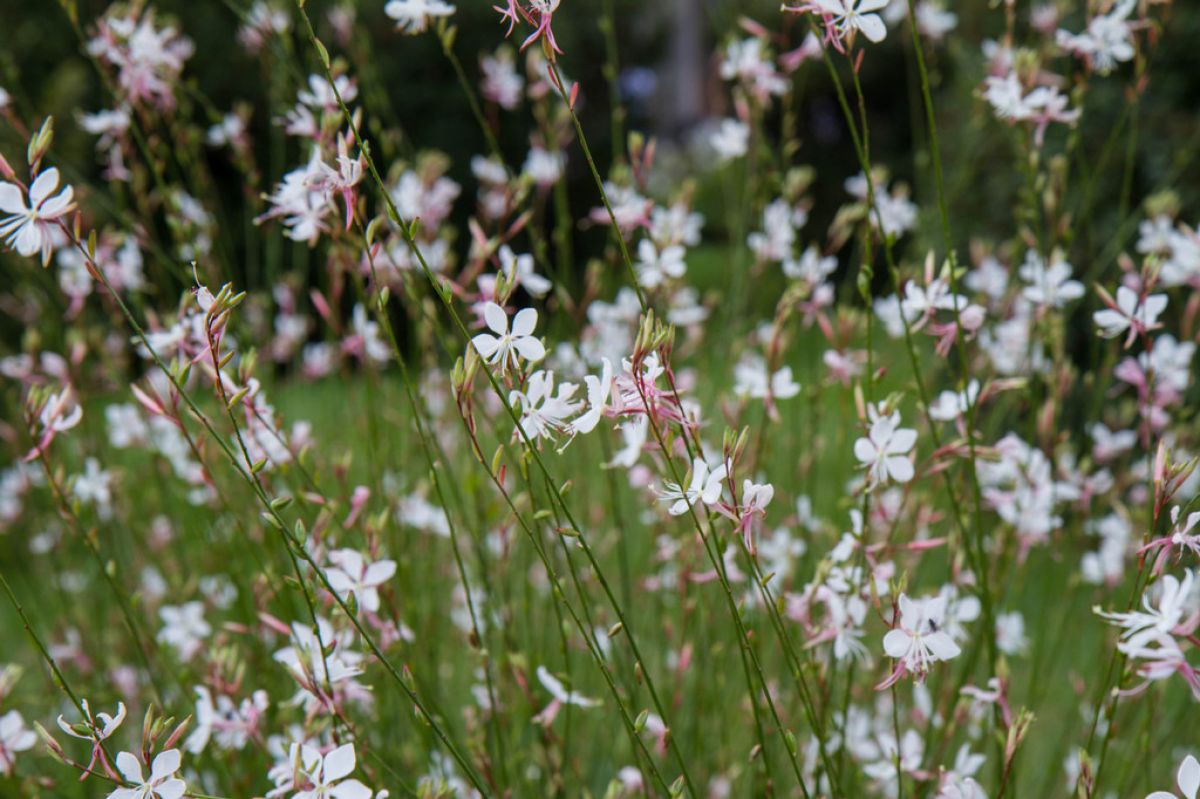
[685, 658]
[358, 501]
[574, 95]
[272, 623]
[926, 544]
[1016, 734]
[6, 169]
[1045, 425]
[477, 235]
[177, 734]
[318, 301]
[153, 406]
[753, 28]
[1160, 464]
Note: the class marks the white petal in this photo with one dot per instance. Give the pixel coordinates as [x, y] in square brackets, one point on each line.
[496, 319]
[12, 201]
[1189, 777]
[171, 789]
[486, 344]
[338, 764]
[872, 27]
[530, 348]
[524, 322]
[350, 789]
[1155, 304]
[910, 612]
[941, 645]
[897, 643]
[29, 239]
[380, 572]
[1110, 320]
[55, 206]
[166, 764]
[350, 560]
[44, 186]
[1127, 300]
[130, 767]
[901, 469]
[339, 581]
[551, 684]
[865, 450]
[902, 441]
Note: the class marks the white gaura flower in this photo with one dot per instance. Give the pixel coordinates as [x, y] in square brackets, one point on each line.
[1156, 622]
[28, 226]
[599, 389]
[560, 692]
[184, 628]
[353, 575]
[1107, 41]
[917, 641]
[559, 696]
[655, 266]
[162, 783]
[731, 139]
[519, 269]
[545, 413]
[61, 412]
[413, 16]
[853, 15]
[951, 405]
[325, 777]
[1129, 313]
[884, 451]
[503, 348]
[705, 487]
[14, 737]
[1188, 780]
[633, 437]
[96, 727]
[1049, 284]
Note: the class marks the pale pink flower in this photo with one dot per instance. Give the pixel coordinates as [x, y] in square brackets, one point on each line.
[353, 575]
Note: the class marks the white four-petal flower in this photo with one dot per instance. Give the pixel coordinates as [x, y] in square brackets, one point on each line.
[917, 639]
[851, 15]
[884, 450]
[162, 783]
[502, 348]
